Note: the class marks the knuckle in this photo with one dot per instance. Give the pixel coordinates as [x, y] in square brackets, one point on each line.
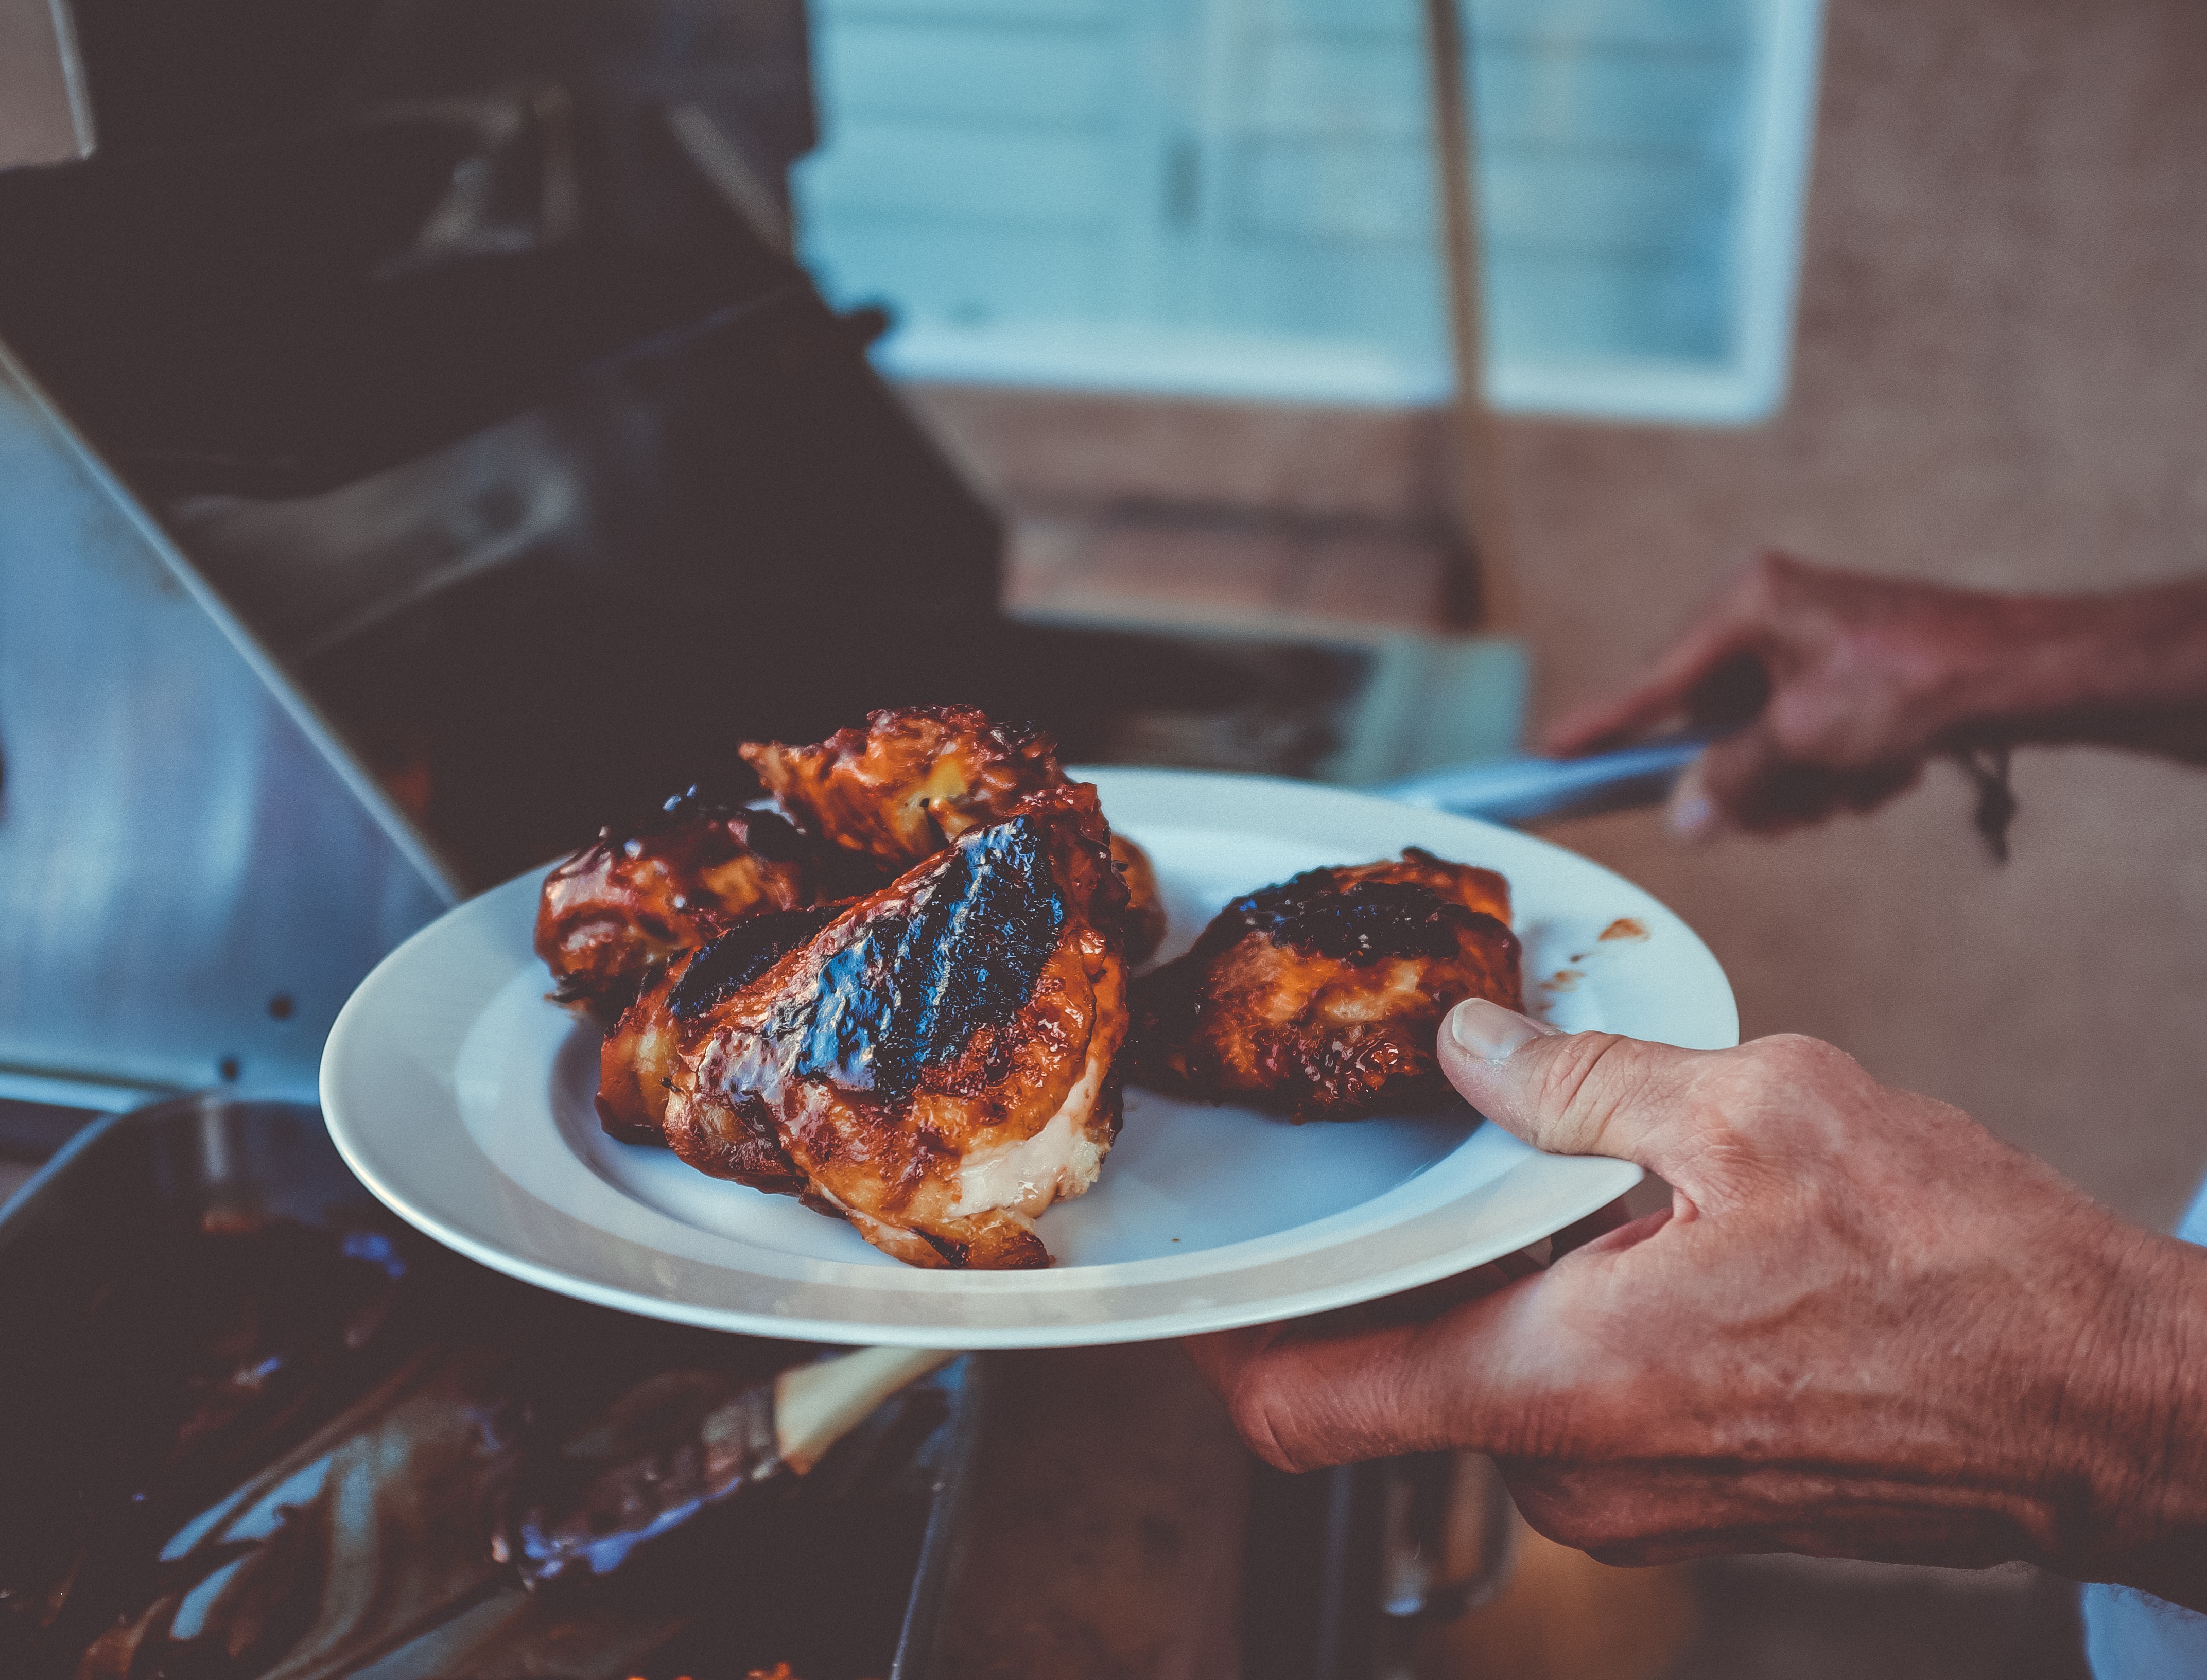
[1591, 1080]
[1252, 1409]
[1270, 1423]
[1779, 1106]
[1789, 1060]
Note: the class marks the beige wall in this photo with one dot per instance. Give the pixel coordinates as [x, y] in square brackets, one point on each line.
[2000, 379]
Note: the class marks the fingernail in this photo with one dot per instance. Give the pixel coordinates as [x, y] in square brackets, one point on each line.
[1693, 817]
[1490, 1031]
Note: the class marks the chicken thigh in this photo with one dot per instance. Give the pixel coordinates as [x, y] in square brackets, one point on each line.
[910, 782]
[621, 907]
[643, 1051]
[1323, 995]
[937, 1063]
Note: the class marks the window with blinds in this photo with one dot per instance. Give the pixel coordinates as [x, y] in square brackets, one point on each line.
[1237, 198]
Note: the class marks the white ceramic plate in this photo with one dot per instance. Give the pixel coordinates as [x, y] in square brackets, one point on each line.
[463, 1098]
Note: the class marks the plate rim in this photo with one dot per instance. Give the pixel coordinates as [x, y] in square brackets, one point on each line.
[1604, 1178]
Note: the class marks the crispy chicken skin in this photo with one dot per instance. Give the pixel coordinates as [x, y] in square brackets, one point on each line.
[641, 1053]
[666, 911]
[910, 782]
[622, 907]
[1146, 906]
[937, 1063]
[1322, 995]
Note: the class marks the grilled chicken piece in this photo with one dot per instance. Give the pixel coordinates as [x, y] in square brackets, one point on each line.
[1323, 995]
[1146, 906]
[910, 782]
[625, 904]
[913, 780]
[637, 1062]
[937, 1063]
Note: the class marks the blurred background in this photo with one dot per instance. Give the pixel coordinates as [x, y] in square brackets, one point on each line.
[1403, 389]
[1994, 377]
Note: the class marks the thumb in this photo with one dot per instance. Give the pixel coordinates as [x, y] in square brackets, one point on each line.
[1756, 784]
[1572, 1093]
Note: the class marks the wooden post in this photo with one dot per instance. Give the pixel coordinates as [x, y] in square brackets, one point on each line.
[1488, 597]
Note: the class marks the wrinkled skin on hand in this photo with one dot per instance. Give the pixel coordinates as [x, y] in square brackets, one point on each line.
[1843, 685]
[1864, 1328]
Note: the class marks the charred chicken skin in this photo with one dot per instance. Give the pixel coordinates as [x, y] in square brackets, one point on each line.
[623, 906]
[643, 1052]
[910, 782]
[937, 1063]
[1322, 995]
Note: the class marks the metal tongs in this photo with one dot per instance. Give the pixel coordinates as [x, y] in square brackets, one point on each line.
[1527, 789]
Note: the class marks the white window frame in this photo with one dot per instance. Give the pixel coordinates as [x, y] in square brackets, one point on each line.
[1746, 385]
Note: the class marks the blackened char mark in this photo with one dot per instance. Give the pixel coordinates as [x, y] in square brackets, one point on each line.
[725, 965]
[910, 991]
[1359, 925]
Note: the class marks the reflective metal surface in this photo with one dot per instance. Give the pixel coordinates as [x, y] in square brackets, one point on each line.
[193, 873]
[251, 1427]
[1530, 789]
[45, 112]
